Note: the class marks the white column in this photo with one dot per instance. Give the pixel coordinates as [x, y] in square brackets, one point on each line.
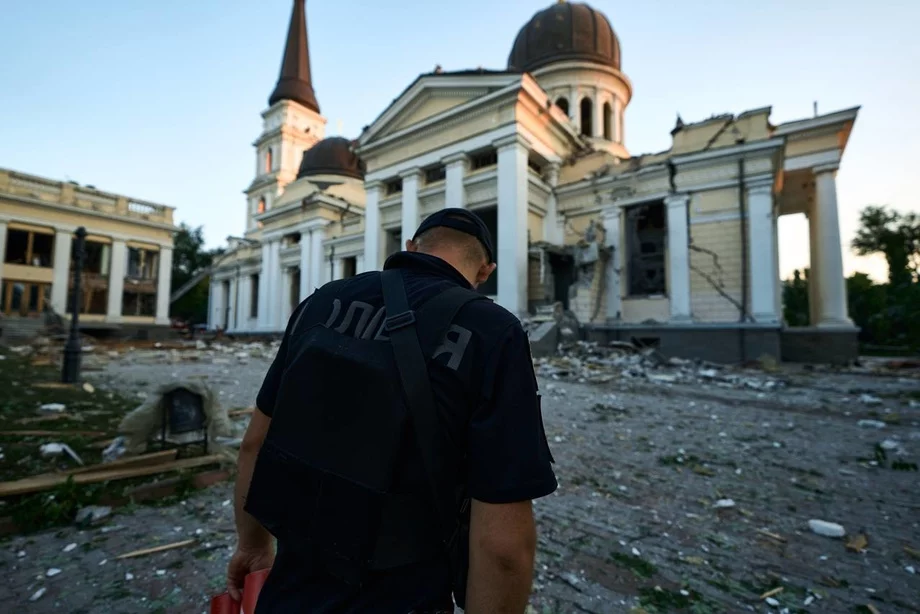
[778, 283]
[678, 257]
[614, 265]
[242, 319]
[117, 281]
[164, 275]
[410, 208]
[264, 275]
[373, 233]
[287, 278]
[454, 191]
[276, 290]
[316, 258]
[359, 264]
[232, 303]
[761, 259]
[617, 121]
[512, 224]
[814, 283]
[213, 305]
[2, 249]
[575, 109]
[832, 303]
[305, 242]
[552, 231]
[598, 115]
[63, 243]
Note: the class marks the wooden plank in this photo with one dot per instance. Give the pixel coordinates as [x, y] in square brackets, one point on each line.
[46, 482]
[163, 548]
[144, 460]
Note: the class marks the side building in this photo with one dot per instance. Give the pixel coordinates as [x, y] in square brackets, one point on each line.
[128, 256]
[677, 249]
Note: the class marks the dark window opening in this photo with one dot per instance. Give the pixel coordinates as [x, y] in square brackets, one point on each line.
[489, 216]
[586, 111]
[225, 292]
[393, 242]
[608, 120]
[435, 174]
[98, 258]
[254, 296]
[142, 263]
[349, 267]
[646, 342]
[24, 299]
[29, 248]
[268, 160]
[93, 300]
[646, 237]
[483, 159]
[139, 303]
[393, 186]
[295, 288]
[291, 240]
[563, 103]
[534, 166]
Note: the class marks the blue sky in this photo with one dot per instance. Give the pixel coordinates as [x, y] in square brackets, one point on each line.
[162, 100]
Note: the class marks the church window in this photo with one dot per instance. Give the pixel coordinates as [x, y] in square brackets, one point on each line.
[646, 236]
[563, 103]
[608, 120]
[586, 112]
[260, 209]
[483, 159]
[393, 186]
[268, 160]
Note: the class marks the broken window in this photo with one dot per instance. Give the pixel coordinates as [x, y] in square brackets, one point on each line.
[29, 248]
[24, 299]
[393, 186]
[483, 159]
[586, 112]
[97, 258]
[254, 295]
[435, 174]
[563, 103]
[291, 240]
[349, 267]
[608, 120]
[646, 237]
[142, 263]
[139, 303]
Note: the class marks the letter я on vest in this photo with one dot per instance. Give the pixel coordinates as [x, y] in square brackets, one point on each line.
[341, 479]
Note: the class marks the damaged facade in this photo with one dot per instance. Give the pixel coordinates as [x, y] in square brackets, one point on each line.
[127, 264]
[677, 249]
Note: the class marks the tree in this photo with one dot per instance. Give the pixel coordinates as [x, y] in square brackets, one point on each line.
[795, 299]
[896, 236]
[189, 259]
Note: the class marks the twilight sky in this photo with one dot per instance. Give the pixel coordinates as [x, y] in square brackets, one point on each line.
[162, 100]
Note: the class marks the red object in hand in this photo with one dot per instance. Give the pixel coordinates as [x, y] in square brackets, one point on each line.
[252, 586]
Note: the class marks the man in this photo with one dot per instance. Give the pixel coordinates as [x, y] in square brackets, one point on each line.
[353, 534]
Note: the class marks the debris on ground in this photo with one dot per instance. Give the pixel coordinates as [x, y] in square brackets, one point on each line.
[827, 529]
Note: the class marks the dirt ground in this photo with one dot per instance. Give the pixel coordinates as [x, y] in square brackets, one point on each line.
[647, 460]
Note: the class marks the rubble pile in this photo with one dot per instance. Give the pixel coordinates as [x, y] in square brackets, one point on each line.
[591, 362]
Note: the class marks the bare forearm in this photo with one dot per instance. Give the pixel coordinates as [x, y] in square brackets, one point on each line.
[498, 585]
[252, 535]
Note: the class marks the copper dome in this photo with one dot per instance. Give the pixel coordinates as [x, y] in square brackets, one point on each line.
[332, 156]
[565, 31]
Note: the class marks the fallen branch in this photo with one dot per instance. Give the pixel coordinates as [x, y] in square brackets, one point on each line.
[778, 538]
[164, 548]
[47, 482]
[775, 591]
[144, 460]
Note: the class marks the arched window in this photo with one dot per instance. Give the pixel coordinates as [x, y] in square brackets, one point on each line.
[608, 120]
[586, 113]
[563, 103]
[261, 207]
[268, 160]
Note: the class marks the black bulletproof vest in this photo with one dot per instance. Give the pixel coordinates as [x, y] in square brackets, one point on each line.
[338, 475]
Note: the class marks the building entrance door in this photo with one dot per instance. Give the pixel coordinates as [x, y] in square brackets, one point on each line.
[23, 298]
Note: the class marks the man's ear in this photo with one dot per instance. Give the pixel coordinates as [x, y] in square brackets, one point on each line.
[484, 272]
[411, 246]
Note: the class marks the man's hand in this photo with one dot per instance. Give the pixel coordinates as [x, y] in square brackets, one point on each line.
[243, 563]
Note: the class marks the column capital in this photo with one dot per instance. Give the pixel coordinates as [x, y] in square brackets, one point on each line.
[514, 140]
[65, 229]
[830, 167]
[455, 158]
[375, 184]
[678, 201]
[551, 173]
[410, 173]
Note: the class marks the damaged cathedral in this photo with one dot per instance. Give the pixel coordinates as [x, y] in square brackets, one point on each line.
[678, 249]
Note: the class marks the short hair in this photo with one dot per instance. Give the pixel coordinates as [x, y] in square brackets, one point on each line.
[440, 237]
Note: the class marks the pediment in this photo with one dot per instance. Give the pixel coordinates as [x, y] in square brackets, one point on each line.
[432, 96]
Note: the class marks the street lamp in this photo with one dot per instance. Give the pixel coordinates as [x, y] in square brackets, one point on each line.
[70, 373]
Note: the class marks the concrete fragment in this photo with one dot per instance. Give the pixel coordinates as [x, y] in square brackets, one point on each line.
[827, 529]
[52, 572]
[56, 449]
[723, 504]
[53, 407]
[871, 424]
[38, 594]
[93, 514]
[868, 399]
[70, 547]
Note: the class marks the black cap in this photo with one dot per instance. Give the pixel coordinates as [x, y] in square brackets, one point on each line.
[462, 220]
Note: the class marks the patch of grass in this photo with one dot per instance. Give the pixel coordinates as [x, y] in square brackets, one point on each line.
[638, 566]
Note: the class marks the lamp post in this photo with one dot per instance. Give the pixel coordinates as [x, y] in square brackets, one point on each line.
[70, 372]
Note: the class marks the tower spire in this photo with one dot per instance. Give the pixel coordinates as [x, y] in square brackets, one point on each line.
[295, 83]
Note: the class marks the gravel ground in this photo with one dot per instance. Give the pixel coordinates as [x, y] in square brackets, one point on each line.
[635, 524]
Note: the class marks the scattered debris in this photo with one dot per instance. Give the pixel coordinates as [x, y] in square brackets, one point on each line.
[38, 594]
[92, 515]
[87, 387]
[52, 572]
[772, 602]
[56, 449]
[868, 399]
[857, 543]
[827, 529]
[53, 407]
[70, 547]
[722, 504]
[871, 424]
